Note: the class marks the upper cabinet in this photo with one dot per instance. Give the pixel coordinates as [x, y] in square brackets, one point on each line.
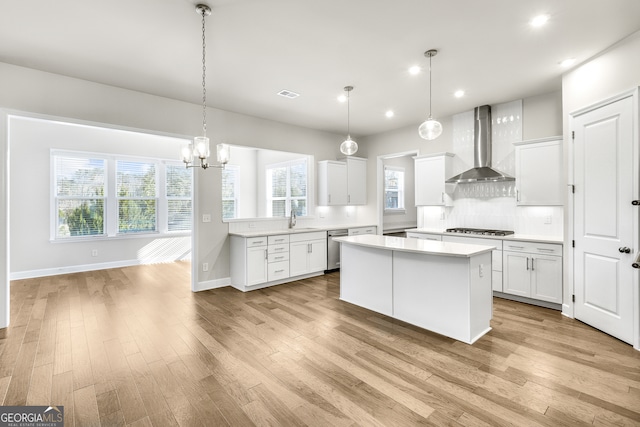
[331, 178]
[356, 181]
[342, 183]
[539, 172]
[431, 171]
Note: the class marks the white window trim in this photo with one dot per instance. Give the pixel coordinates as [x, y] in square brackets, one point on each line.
[236, 188]
[269, 199]
[400, 210]
[111, 199]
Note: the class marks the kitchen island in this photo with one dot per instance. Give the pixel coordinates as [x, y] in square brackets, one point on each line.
[439, 286]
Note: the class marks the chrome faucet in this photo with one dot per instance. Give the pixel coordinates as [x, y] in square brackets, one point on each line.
[292, 218]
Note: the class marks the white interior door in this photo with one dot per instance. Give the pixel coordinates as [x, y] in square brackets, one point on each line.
[604, 218]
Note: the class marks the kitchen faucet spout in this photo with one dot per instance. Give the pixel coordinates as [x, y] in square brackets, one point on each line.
[292, 218]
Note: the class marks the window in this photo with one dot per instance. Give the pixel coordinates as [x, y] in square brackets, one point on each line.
[178, 193]
[79, 193]
[137, 193]
[106, 195]
[393, 189]
[287, 188]
[230, 177]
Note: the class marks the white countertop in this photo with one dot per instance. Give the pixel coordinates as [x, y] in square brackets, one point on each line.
[295, 230]
[427, 247]
[521, 237]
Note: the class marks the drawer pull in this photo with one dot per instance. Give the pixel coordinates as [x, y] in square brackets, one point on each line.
[279, 249]
[258, 241]
[546, 250]
[516, 247]
[279, 271]
[279, 257]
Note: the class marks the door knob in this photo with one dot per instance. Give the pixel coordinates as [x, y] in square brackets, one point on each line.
[624, 250]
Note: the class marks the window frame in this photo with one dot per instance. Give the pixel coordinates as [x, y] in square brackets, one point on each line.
[400, 190]
[288, 197]
[236, 187]
[111, 197]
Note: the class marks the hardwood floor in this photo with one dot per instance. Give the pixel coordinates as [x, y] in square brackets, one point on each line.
[134, 346]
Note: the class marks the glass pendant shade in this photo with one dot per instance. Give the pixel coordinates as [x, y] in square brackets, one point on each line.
[223, 153]
[349, 147]
[201, 147]
[187, 153]
[430, 129]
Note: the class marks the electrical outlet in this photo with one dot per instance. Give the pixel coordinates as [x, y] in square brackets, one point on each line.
[252, 225]
[206, 217]
[94, 252]
[205, 266]
[481, 270]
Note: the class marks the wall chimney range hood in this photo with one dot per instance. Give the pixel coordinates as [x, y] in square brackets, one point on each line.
[482, 170]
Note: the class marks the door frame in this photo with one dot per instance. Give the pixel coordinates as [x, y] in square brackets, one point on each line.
[568, 306]
[380, 182]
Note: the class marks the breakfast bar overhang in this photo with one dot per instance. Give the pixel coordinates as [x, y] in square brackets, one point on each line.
[439, 286]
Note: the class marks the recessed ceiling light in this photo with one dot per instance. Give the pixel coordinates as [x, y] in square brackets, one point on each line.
[342, 98]
[414, 70]
[567, 62]
[539, 20]
[288, 94]
[459, 93]
[389, 113]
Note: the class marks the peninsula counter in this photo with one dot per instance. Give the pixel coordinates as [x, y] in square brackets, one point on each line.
[439, 286]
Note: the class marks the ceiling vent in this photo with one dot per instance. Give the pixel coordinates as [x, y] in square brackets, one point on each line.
[288, 94]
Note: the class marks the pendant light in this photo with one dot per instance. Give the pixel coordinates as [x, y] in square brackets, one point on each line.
[199, 148]
[430, 128]
[349, 146]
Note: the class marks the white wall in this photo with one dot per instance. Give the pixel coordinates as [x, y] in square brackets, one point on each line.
[34, 91]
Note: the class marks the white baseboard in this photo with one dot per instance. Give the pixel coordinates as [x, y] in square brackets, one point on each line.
[212, 284]
[31, 274]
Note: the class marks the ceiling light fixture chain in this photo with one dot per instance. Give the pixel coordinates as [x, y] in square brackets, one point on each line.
[199, 148]
[430, 128]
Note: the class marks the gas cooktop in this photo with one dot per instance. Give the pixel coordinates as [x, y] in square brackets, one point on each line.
[479, 231]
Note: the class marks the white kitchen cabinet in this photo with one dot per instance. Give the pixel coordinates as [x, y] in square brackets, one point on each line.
[277, 257]
[539, 172]
[250, 260]
[257, 265]
[431, 171]
[307, 253]
[356, 181]
[533, 270]
[332, 177]
[356, 231]
[342, 183]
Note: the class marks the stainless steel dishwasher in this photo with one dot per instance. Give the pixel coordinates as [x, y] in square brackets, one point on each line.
[333, 249]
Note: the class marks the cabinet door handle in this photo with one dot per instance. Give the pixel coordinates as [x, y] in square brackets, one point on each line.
[349, 198]
[532, 259]
[517, 195]
[308, 248]
[266, 254]
[329, 198]
[442, 197]
[527, 263]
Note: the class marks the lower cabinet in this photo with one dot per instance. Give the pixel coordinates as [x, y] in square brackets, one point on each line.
[533, 270]
[262, 261]
[307, 253]
[496, 255]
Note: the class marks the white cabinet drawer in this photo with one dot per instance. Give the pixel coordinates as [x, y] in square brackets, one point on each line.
[278, 270]
[424, 236]
[362, 230]
[278, 257]
[256, 241]
[275, 249]
[533, 248]
[279, 239]
[497, 243]
[301, 237]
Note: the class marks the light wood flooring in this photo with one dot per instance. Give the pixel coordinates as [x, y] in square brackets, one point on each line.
[134, 346]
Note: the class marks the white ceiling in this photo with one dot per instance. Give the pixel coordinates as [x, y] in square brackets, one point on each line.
[255, 48]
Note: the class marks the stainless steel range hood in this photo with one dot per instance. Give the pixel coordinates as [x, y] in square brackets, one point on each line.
[482, 170]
